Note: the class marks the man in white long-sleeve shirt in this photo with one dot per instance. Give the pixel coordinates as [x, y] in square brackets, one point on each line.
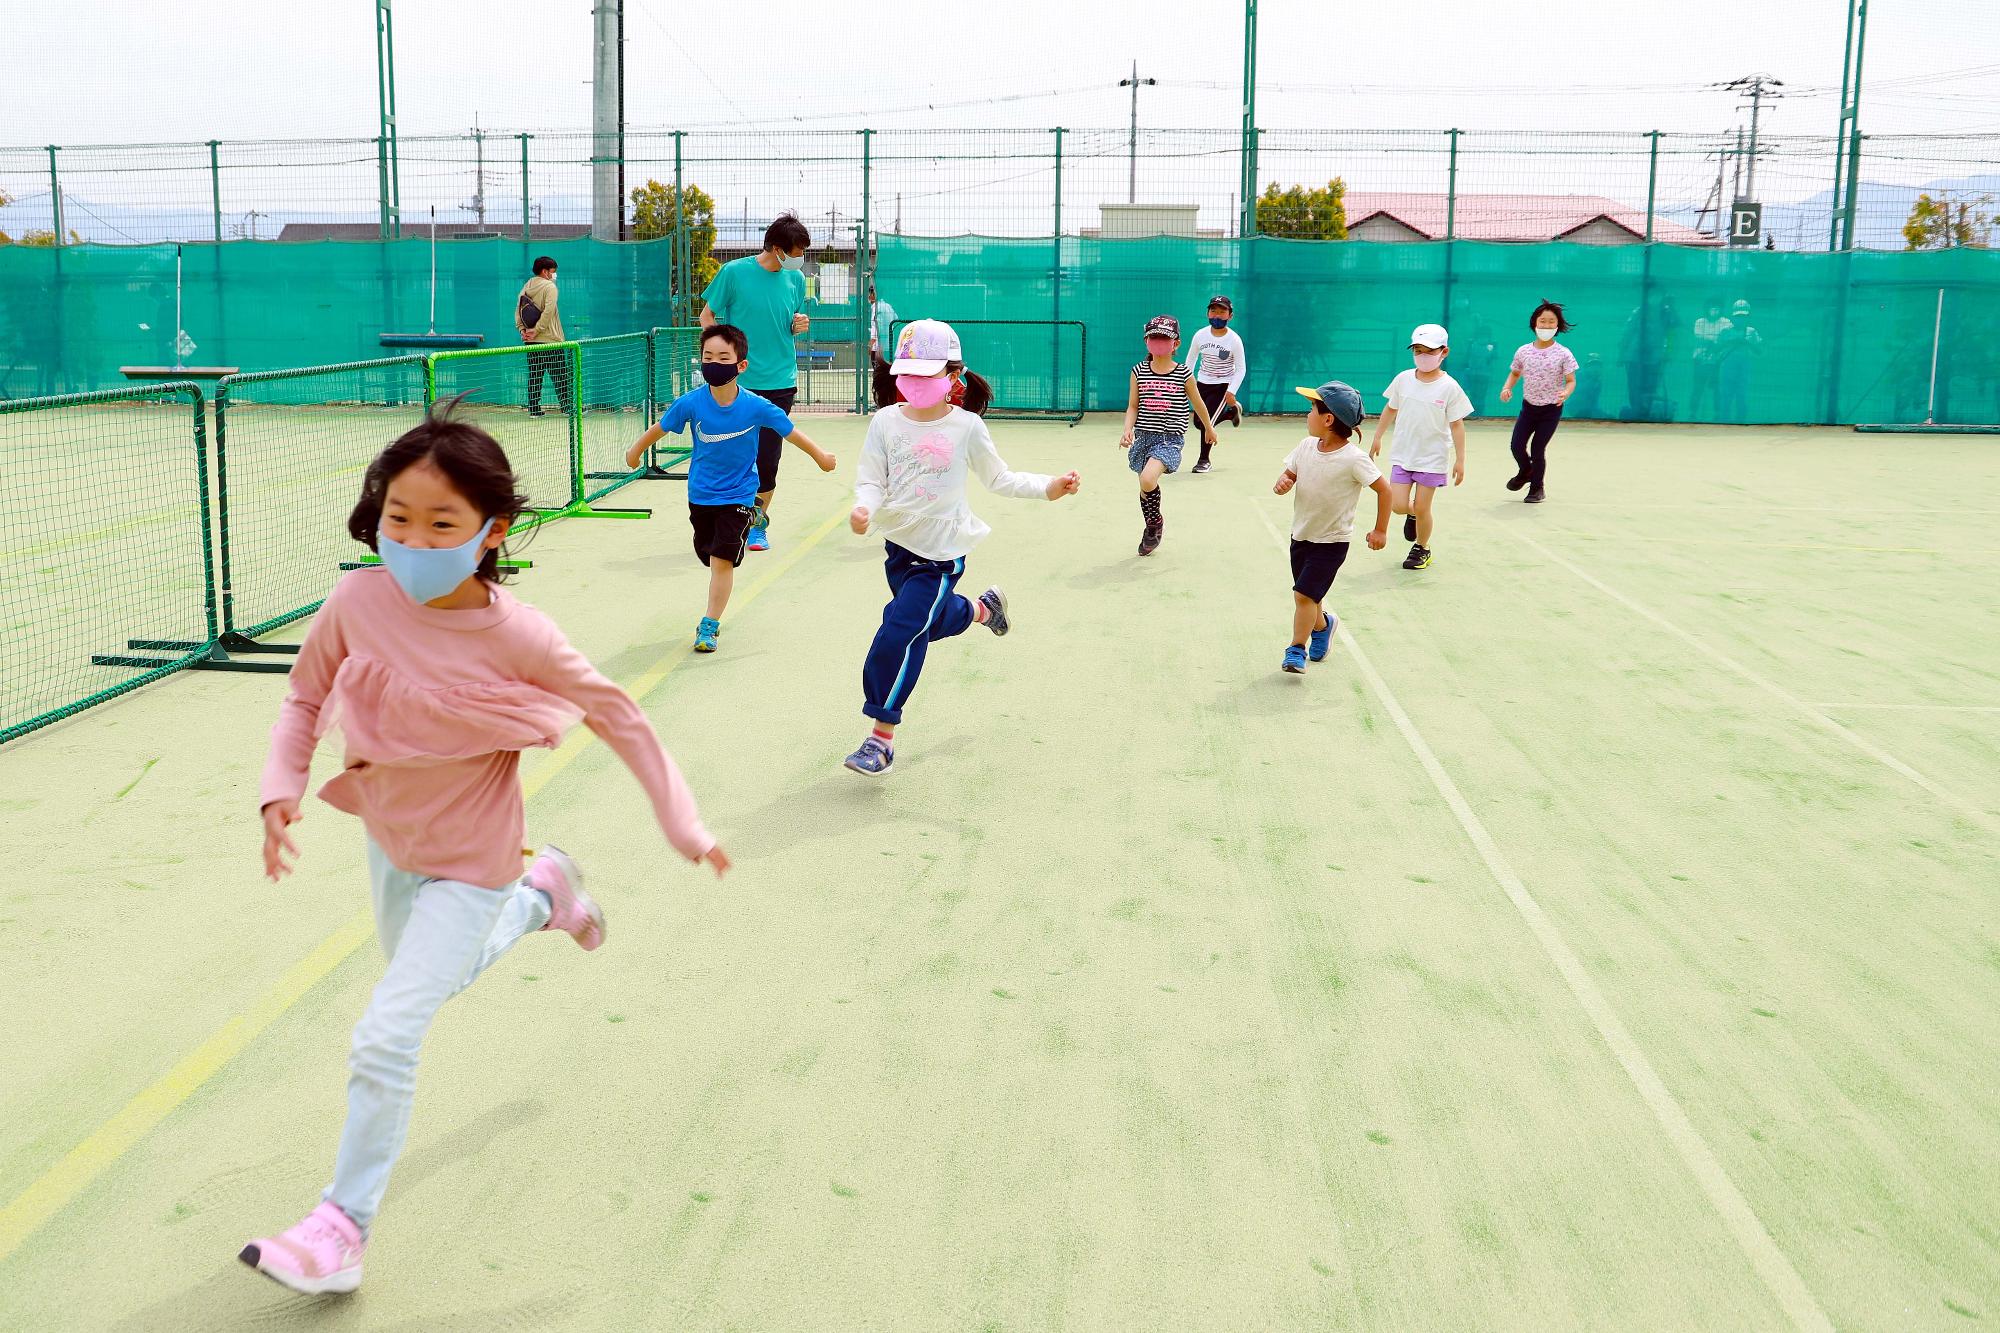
[1216, 357]
[910, 488]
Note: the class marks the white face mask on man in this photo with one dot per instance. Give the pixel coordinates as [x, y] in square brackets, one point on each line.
[792, 262]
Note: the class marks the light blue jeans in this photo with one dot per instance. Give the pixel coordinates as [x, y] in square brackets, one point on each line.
[438, 935]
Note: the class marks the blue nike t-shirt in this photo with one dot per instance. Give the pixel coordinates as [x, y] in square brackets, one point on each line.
[723, 470]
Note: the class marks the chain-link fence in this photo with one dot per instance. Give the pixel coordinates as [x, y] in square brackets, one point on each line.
[1404, 185]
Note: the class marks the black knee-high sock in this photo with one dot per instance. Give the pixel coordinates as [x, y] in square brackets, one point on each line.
[1149, 505]
[1205, 447]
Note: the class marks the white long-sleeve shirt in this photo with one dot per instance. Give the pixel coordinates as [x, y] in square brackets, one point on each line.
[912, 480]
[1217, 358]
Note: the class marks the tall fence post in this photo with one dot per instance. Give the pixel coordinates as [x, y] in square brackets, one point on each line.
[1451, 193]
[683, 284]
[1853, 188]
[527, 221]
[55, 197]
[1055, 267]
[1652, 182]
[215, 184]
[863, 280]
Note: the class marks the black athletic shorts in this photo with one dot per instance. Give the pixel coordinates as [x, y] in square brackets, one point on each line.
[1313, 566]
[770, 444]
[722, 531]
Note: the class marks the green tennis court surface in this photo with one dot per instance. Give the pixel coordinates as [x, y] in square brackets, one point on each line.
[1603, 937]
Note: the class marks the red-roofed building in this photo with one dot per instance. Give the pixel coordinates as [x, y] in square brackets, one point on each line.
[1584, 218]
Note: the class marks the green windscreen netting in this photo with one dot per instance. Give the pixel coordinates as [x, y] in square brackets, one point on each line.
[1663, 333]
[616, 407]
[104, 556]
[290, 450]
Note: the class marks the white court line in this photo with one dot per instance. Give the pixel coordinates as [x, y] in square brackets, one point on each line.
[1810, 711]
[1924, 708]
[1756, 1243]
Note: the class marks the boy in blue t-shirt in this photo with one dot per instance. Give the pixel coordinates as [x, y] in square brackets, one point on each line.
[722, 473]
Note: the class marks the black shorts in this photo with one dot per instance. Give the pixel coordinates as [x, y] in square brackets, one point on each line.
[721, 531]
[1313, 566]
[770, 444]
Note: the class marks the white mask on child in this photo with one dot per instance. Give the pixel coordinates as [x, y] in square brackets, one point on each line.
[1545, 335]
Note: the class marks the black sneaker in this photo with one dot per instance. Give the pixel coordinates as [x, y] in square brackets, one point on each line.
[536, 412]
[1150, 541]
[1517, 481]
[1535, 496]
[1203, 466]
[1418, 558]
[1236, 415]
[1409, 527]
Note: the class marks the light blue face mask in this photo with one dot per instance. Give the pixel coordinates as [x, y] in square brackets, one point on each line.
[793, 262]
[426, 575]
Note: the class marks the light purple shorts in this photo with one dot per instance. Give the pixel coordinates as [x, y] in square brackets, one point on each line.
[1402, 476]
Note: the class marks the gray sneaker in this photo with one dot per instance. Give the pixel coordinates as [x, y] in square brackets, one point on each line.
[995, 603]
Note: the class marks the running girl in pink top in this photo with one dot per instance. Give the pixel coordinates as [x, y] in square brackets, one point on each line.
[438, 678]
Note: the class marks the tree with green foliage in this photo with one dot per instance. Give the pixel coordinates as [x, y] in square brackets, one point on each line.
[653, 214]
[1940, 224]
[1308, 214]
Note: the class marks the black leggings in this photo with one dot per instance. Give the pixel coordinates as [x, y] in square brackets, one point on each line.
[1537, 422]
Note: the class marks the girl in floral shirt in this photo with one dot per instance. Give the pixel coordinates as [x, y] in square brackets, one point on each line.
[1549, 372]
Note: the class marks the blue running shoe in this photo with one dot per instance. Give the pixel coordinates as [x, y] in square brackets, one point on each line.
[1295, 660]
[873, 758]
[704, 634]
[995, 603]
[1323, 636]
[760, 540]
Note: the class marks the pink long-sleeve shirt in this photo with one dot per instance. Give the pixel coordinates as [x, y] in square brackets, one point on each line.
[435, 708]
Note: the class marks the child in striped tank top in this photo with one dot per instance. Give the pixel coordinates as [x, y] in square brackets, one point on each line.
[1156, 421]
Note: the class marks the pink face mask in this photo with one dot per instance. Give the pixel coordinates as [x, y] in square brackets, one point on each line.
[924, 390]
[1428, 361]
[1159, 346]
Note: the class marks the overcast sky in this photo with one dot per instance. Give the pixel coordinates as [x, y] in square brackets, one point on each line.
[120, 71]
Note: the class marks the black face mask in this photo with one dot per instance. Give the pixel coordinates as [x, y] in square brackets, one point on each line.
[718, 373]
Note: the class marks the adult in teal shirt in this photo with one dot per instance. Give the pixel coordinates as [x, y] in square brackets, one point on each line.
[765, 295]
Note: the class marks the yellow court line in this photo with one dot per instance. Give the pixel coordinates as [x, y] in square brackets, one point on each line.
[55, 1188]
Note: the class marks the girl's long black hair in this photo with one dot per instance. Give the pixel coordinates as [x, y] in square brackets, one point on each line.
[1562, 321]
[471, 460]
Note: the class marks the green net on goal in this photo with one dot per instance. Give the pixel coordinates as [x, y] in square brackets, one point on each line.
[290, 450]
[616, 408]
[104, 556]
[676, 370]
[526, 398]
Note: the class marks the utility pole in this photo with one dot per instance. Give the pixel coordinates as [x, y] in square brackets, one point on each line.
[1132, 151]
[479, 172]
[1736, 159]
[607, 154]
[1759, 86]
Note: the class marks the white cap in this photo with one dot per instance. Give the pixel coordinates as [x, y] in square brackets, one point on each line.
[1430, 335]
[923, 347]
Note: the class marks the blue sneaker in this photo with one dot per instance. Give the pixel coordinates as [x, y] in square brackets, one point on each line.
[1323, 636]
[760, 540]
[873, 758]
[995, 603]
[704, 634]
[1295, 660]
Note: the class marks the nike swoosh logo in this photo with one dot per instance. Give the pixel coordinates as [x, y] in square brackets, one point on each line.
[706, 438]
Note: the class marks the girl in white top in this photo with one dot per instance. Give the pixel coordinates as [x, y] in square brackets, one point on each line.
[1216, 356]
[911, 488]
[1427, 409]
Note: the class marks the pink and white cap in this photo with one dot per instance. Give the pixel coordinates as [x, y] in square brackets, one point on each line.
[923, 347]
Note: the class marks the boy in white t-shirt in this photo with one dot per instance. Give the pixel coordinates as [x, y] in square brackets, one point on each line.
[1216, 357]
[1428, 410]
[1326, 475]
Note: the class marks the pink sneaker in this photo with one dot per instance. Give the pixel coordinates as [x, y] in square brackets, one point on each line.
[573, 911]
[321, 1254]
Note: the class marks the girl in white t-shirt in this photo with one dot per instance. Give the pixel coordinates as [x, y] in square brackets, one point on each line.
[1549, 372]
[1427, 409]
[1325, 476]
[911, 489]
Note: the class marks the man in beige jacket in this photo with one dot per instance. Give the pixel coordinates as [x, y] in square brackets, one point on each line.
[536, 319]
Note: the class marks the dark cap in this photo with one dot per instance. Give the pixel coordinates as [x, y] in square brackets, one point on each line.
[1340, 401]
[1222, 301]
[1163, 326]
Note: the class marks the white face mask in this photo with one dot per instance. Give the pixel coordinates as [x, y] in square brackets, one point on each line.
[1545, 335]
[793, 262]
